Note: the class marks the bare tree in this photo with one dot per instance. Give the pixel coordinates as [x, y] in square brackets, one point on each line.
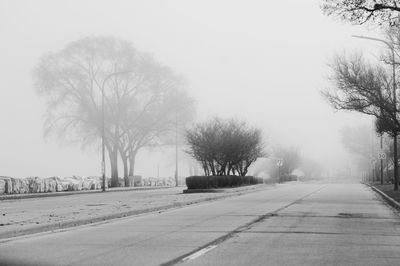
[73, 82]
[360, 140]
[152, 116]
[136, 90]
[291, 158]
[362, 11]
[359, 86]
[222, 147]
[311, 168]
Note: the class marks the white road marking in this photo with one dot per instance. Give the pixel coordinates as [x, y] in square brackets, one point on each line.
[199, 253]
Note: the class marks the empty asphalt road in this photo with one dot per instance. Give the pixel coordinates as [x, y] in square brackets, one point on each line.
[292, 224]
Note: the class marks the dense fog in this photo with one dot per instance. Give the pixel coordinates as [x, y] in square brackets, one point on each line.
[263, 62]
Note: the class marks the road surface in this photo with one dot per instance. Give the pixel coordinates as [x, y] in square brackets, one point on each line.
[293, 224]
[33, 215]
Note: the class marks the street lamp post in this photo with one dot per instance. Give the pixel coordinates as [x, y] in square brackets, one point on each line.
[103, 165]
[176, 150]
[396, 164]
[381, 160]
[103, 136]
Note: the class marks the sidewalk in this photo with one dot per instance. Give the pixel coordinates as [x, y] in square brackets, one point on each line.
[40, 214]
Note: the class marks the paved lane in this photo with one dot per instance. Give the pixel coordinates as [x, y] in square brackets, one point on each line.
[338, 225]
[25, 216]
[151, 239]
[293, 224]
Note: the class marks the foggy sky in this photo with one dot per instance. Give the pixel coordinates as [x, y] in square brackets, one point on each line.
[263, 61]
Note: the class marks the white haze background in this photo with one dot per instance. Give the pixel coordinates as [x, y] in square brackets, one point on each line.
[263, 61]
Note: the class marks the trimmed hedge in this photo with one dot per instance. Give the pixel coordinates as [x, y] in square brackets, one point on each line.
[205, 182]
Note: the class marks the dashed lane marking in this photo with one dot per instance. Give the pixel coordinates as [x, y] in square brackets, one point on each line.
[199, 253]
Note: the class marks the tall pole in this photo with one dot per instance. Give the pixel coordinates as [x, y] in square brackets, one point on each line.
[176, 150]
[103, 164]
[381, 160]
[396, 163]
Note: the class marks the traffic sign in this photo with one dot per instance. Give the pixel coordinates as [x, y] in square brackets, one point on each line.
[381, 155]
[279, 162]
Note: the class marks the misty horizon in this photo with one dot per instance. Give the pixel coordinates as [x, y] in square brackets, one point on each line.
[240, 61]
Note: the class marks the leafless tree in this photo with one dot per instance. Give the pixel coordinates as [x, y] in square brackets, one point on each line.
[311, 168]
[171, 108]
[362, 142]
[225, 147]
[290, 156]
[74, 80]
[359, 140]
[359, 86]
[381, 12]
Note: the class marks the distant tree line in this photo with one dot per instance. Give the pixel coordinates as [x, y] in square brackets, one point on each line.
[144, 101]
[290, 156]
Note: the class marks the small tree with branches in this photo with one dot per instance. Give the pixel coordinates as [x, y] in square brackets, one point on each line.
[224, 147]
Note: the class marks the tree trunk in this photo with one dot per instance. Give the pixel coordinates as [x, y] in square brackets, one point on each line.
[132, 158]
[229, 169]
[246, 167]
[124, 159]
[240, 169]
[110, 155]
[212, 168]
[114, 166]
[244, 172]
[205, 168]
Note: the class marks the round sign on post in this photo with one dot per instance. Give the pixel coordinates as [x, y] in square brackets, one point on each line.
[381, 155]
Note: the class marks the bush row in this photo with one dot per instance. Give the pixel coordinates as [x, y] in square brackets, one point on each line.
[204, 182]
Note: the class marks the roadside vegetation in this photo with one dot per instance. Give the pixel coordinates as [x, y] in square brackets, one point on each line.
[225, 149]
[365, 86]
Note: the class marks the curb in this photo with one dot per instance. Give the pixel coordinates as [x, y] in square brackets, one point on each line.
[103, 218]
[203, 190]
[69, 193]
[388, 199]
[219, 190]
